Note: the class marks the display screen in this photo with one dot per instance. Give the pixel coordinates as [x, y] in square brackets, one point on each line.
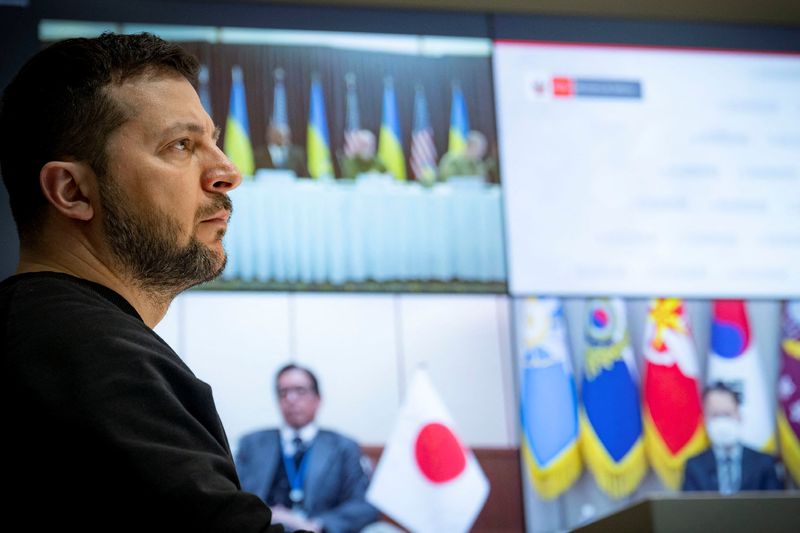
[369, 161]
[646, 170]
[361, 177]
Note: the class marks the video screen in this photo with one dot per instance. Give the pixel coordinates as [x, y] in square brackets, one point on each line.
[643, 170]
[372, 164]
[370, 161]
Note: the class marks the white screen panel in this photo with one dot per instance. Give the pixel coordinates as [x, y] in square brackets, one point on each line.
[644, 171]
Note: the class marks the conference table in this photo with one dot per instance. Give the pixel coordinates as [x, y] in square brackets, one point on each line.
[373, 228]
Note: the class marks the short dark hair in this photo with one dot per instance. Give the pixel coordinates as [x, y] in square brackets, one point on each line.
[720, 386]
[57, 107]
[309, 373]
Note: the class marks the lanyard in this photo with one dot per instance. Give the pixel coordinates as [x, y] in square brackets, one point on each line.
[296, 475]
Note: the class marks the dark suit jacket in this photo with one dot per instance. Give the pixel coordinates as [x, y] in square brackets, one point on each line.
[335, 482]
[296, 160]
[758, 472]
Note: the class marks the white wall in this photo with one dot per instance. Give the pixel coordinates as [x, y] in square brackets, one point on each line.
[363, 348]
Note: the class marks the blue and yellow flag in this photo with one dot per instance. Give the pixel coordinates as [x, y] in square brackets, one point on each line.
[237, 128]
[549, 406]
[459, 122]
[319, 146]
[611, 418]
[390, 148]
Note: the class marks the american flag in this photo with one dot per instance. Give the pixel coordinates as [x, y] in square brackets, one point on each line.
[423, 151]
[351, 118]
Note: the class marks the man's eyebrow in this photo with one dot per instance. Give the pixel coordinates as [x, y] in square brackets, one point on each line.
[191, 127]
[217, 133]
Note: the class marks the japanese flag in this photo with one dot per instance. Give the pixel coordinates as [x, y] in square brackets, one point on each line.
[426, 479]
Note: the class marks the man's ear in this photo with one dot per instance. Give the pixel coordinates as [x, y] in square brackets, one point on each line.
[68, 186]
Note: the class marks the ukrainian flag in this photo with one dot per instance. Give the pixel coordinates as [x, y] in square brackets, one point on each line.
[549, 407]
[237, 128]
[319, 146]
[390, 149]
[611, 418]
[459, 122]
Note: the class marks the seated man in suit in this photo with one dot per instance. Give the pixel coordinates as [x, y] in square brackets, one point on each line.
[280, 153]
[728, 466]
[470, 162]
[311, 478]
[362, 159]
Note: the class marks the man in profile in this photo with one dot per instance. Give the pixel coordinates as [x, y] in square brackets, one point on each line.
[728, 466]
[311, 478]
[119, 193]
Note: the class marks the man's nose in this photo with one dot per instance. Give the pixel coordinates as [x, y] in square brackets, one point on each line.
[221, 175]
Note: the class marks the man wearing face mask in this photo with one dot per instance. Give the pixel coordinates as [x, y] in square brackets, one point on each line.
[727, 466]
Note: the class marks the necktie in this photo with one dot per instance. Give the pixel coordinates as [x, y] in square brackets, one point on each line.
[299, 450]
[726, 480]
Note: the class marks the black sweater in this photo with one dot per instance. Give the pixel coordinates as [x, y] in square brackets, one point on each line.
[106, 429]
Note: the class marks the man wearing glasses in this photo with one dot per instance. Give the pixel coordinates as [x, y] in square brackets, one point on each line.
[311, 478]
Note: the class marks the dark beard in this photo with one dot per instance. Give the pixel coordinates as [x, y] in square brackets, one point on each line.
[146, 245]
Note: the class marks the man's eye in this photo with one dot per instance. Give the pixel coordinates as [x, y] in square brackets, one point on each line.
[184, 145]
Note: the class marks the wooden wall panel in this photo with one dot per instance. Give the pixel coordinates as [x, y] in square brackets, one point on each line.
[502, 512]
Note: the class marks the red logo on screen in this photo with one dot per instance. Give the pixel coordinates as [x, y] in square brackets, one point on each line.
[563, 87]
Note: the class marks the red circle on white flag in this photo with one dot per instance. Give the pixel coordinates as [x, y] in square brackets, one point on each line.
[439, 454]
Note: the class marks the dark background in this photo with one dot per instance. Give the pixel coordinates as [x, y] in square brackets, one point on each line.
[667, 25]
[258, 63]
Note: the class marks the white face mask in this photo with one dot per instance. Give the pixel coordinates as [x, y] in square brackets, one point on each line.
[723, 431]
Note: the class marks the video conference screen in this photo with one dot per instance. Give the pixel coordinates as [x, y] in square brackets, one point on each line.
[646, 170]
[372, 188]
[604, 169]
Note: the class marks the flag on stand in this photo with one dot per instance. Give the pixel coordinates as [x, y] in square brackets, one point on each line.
[459, 122]
[549, 408]
[426, 479]
[352, 122]
[734, 361]
[390, 147]
[673, 415]
[789, 389]
[611, 419]
[319, 146]
[423, 151]
[203, 91]
[280, 110]
[237, 144]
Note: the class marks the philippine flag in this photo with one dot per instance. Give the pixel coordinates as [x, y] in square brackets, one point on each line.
[735, 362]
[426, 479]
